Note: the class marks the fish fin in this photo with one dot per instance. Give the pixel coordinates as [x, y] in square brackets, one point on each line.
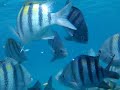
[60, 17]
[66, 23]
[59, 73]
[37, 85]
[104, 85]
[110, 63]
[45, 84]
[50, 81]
[48, 35]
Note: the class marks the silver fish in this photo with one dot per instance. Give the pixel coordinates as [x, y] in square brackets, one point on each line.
[111, 47]
[35, 18]
[13, 76]
[57, 47]
[13, 50]
[85, 72]
[77, 19]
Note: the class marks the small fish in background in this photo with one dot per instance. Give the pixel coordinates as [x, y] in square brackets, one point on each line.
[77, 19]
[35, 18]
[37, 86]
[14, 50]
[13, 76]
[111, 47]
[85, 72]
[57, 46]
[49, 86]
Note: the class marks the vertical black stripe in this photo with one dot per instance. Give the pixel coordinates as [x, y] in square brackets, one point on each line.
[40, 15]
[97, 69]
[81, 72]
[89, 68]
[15, 81]
[49, 17]
[21, 24]
[102, 72]
[72, 71]
[5, 76]
[30, 17]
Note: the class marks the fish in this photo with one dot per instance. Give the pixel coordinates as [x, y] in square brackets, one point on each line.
[49, 86]
[14, 50]
[37, 86]
[85, 72]
[13, 76]
[35, 20]
[110, 47]
[77, 19]
[59, 52]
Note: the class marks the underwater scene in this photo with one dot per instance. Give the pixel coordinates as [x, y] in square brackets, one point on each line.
[60, 45]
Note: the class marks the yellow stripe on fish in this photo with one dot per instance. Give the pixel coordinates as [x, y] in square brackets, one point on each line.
[26, 8]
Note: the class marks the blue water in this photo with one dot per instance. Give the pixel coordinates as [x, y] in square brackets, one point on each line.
[102, 18]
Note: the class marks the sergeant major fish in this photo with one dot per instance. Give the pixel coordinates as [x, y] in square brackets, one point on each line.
[14, 50]
[13, 76]
[111, 47]
[85, 72]
[35, 18]
[57, 46]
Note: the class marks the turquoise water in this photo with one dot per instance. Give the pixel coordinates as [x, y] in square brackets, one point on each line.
[102, 18]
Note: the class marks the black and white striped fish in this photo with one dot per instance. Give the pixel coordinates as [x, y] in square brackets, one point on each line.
[37, 86]
[85, 72]
[49, 85]
[111, 47]
[77, 19]
[35, 18]
[13, 76]
[57, 46]
[14, 50]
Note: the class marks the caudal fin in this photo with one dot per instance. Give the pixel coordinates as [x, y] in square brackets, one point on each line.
[60, 17]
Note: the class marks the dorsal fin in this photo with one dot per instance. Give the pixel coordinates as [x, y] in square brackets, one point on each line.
[110, 63]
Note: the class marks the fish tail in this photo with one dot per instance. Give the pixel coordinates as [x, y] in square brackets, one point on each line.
[60, 17]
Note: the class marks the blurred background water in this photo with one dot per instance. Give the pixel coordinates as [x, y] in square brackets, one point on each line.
[102, 18]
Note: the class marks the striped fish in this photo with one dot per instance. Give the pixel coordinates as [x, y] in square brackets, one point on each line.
[85, 72]
[37, 86]
[49, 85]
[14, 50]
[35, 18]
[109, 48]
[57, 47]
[13, 76]
[77, 19]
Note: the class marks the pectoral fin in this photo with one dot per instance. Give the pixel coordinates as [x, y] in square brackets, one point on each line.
[49, 34]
